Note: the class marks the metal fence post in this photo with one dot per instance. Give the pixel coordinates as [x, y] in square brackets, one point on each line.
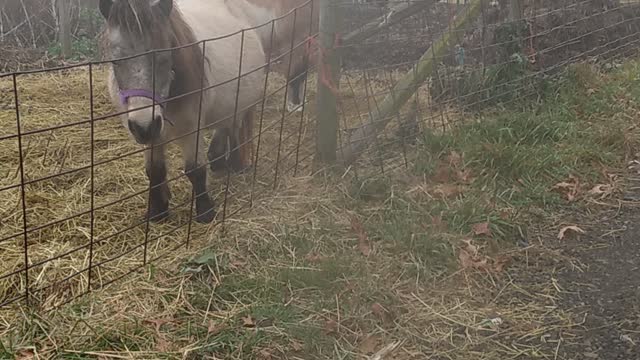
[328, 78]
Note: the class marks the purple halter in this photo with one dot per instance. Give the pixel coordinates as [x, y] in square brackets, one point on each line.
[126, 94]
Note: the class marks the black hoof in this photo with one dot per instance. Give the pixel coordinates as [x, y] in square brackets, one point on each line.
[206, 217]
[205, 210]
[157, 216]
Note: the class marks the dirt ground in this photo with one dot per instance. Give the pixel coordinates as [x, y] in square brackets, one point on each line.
[596, 282]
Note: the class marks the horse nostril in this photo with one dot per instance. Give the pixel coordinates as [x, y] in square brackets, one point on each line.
[137, 131]
[157, 121]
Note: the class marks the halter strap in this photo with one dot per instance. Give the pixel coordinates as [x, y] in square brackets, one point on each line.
[126, 94]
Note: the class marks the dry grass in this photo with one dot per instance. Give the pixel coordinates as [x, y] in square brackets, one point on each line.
[323, 267]
[56, 99]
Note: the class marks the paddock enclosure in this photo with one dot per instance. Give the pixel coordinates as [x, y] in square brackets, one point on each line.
[73, 190]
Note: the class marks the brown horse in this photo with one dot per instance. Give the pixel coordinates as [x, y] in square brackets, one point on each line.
[143, 79]
[294, 22]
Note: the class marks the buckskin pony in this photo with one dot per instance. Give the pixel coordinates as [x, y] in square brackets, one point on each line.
[157, 78]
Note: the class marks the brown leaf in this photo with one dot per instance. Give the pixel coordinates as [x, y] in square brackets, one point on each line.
[569, 229]
[330, 327]
[481, 229]
[569, 188]
[454, 159]
[162, 345]
[504, 215]
[368, 345]
[448, 190]
[465, 176]
[500, 263]
[25, 354]
[313, 257]
[443, 174]
[248, 321]
[380, 312]
[601, 191]
[265, 354]
[215, 329]
[470, 258]
[438, 223]
[363, 239]
[296, 345]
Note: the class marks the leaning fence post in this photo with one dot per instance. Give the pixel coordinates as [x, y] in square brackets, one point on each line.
[328, 78]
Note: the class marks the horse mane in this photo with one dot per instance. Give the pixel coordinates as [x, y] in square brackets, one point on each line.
[139, 18]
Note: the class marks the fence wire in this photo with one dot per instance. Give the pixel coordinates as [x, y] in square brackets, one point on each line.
[73, 188]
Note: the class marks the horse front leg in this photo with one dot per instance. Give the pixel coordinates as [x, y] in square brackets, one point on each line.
[159, 194]
[297, 82]
[196, 171]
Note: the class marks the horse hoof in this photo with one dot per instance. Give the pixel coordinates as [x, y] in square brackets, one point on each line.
[157, 216]
[294, 107]
[206, 217]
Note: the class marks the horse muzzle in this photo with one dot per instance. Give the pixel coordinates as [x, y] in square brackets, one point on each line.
[145, 133]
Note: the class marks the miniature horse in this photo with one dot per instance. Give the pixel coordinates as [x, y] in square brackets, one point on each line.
[142, 79]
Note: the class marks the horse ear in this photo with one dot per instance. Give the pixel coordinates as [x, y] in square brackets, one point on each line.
[165, 6]
[105, 8]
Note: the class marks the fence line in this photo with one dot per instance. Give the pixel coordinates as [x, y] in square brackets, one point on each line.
[59, 242]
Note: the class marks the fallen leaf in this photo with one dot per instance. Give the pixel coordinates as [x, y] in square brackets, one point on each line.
[438, 223]
[465, 176]
[315, 257]
[481, 229]
[443, 174]
[572, 228]
[380, 312]
[247, 321]
[454, 159]
[601, 190]
[158, 323]
[448, 190]
[363, 239]
[162, 345]
[214, 328]
[468, 261]
[569, 188]
[330, 327]
[296, 346]
[265, 354]
[500, 263]
[470, 258]
[25, 354]
[469, 247]
[368, 345]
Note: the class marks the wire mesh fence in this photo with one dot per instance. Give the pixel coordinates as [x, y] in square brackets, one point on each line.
[73, 186]
[472, 61]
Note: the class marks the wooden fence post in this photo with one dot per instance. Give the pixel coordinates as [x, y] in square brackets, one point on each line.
[516, 10]
[64, 27]
[328, 78]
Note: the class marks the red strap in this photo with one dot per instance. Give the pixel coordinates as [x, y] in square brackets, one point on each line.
[324, 69]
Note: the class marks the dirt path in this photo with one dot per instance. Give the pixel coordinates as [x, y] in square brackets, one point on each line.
[599, 283]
